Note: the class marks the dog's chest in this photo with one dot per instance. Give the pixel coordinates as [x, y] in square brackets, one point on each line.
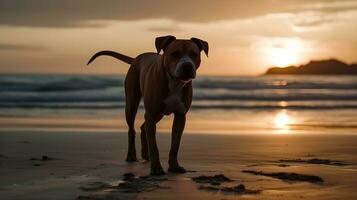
[174, 101]
[174, 104]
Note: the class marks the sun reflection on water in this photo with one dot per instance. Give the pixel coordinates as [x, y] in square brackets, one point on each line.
[282, 121]
[283, 104]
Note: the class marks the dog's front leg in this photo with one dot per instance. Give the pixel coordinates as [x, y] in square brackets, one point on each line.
[177, 129]
[150, 129]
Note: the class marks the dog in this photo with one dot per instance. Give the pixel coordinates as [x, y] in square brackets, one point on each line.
[164, 81]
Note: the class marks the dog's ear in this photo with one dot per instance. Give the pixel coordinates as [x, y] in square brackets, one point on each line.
[162, 42]
[203, 45]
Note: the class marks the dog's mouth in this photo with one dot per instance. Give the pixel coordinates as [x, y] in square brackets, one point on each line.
[186, 79]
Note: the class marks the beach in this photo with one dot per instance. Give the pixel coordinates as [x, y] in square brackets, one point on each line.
[82, 158]
[64, 137]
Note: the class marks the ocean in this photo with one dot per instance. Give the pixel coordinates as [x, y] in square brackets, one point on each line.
[232, 105]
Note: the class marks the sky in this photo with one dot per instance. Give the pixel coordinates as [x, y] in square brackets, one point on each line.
[245, 37]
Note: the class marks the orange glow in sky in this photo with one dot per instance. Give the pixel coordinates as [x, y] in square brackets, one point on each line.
[245, 37]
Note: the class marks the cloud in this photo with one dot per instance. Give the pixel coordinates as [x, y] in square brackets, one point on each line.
[163, 29]
[314, 19]
[18, 47]
[164, 26]
[328, 6]
[318, 21]
[313, 23]
[77, 13]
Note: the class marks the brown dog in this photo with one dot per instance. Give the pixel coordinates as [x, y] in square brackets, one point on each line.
[164, 81]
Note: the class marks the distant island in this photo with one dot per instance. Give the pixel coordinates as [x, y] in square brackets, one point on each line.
[321, 67]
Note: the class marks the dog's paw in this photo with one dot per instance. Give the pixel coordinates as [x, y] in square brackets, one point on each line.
[177, 169]
[145, 156]
[157, 171]
[131, 158]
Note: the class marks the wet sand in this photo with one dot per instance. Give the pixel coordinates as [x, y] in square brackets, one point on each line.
[90, 165]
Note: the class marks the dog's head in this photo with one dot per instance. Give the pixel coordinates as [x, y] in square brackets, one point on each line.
[181, 57]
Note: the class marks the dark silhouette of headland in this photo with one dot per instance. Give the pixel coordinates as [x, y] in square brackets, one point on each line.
[321, 67]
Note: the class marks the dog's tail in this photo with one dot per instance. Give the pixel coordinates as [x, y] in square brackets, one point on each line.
[114, 54]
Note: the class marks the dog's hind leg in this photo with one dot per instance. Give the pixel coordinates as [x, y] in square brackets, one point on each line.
[144, 143]
[132, 100]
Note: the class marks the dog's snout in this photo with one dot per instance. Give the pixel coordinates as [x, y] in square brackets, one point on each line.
[187, 67]
[187, 70]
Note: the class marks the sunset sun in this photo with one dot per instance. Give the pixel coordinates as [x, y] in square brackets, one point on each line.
[283, 52]
[282, 57]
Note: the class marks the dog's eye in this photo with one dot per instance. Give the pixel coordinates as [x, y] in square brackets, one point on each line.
[193, 54]
[176, 54]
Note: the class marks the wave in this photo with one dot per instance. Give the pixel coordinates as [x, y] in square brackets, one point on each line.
[207, 106]
[273, 83]
[102, 92]
[117, 95]
[53, 83]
